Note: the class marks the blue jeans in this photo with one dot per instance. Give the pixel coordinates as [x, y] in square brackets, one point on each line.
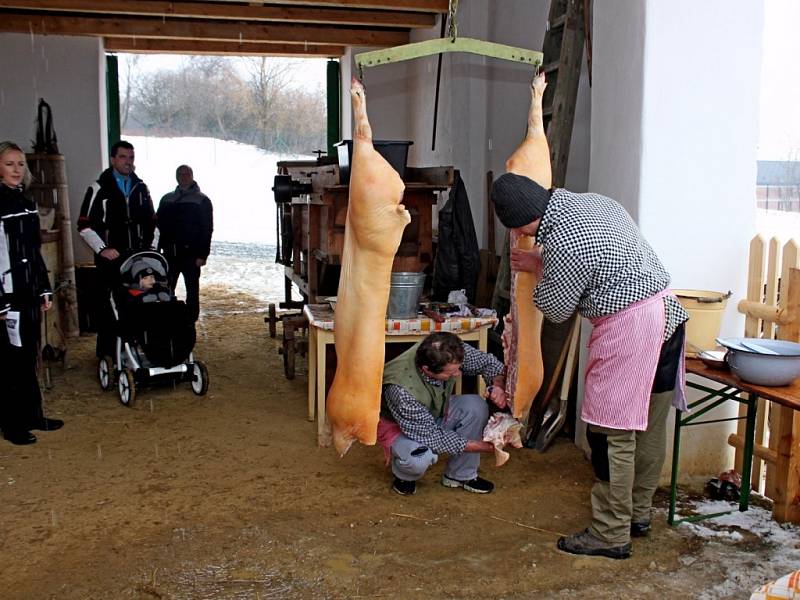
[467, 415]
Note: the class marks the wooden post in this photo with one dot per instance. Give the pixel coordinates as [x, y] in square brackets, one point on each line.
[49, 190]
[790, 302]
[786, 500]
[755, 275]
[771, 292]
[787, 432]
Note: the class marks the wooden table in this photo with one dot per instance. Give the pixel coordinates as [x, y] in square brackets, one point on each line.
[321, 334]
[738, 391]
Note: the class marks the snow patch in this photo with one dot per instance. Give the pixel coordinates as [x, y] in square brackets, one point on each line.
[748, 563]
[237, 177]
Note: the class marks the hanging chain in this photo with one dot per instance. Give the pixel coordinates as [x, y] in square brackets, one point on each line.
[453, 28]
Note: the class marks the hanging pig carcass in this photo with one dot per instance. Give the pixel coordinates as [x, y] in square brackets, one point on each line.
[373, 228]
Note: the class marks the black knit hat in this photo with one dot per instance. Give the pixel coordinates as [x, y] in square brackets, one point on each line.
[518, 200]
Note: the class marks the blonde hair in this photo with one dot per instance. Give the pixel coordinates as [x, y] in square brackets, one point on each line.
[8, 146]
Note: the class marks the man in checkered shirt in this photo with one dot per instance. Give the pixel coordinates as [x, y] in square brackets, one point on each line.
[421, 419]
[590, 257]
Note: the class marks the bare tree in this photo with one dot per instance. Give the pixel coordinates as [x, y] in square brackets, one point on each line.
[130, 64]
[254, 101]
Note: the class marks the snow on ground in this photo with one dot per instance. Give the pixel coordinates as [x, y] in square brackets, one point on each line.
[238, 178]
[249, 268]
[757, 549]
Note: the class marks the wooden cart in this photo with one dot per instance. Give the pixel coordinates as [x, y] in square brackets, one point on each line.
[312, 223]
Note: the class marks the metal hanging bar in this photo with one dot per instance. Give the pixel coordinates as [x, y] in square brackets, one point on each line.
[439, 46]
[451, 44]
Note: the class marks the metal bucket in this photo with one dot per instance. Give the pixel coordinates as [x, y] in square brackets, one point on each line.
[404, 295]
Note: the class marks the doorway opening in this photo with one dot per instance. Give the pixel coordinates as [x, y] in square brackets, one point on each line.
[231, 119]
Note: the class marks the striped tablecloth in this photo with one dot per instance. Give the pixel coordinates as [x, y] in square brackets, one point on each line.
[321, 317]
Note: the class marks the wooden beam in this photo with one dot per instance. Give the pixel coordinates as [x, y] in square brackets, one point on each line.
[239, 12]
[431, 6]
[187, 29]
[762, 452]
[765, 312]
[151, 46]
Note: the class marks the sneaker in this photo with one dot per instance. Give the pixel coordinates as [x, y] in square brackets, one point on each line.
[403, 487]
[641, 529]
[45, 424]
[587, 544]
[479, 485]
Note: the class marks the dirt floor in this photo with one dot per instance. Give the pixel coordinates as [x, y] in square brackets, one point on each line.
[228, 496]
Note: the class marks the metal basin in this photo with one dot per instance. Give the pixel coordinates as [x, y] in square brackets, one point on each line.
[762, 367]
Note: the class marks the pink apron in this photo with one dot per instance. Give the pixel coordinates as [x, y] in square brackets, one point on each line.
[624, 349]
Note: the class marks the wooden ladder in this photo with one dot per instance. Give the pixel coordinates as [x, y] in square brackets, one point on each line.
[563, 46]
[563, 55]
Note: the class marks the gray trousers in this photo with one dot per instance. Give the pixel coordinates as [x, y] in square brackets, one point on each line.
[628, 466]
[466, 415]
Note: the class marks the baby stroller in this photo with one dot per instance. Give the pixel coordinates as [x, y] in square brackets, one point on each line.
[155, 335]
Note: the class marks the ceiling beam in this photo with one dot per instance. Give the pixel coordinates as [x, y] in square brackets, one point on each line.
[198, 30]
[150, 46]
[431, 6]
[222, 10]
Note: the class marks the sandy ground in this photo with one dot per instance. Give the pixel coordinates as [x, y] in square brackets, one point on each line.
[227, 496]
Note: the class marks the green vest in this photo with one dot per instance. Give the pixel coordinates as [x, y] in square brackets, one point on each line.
[403, 371]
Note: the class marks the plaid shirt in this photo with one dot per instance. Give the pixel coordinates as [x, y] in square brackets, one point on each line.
[595, 261]
[417, 423]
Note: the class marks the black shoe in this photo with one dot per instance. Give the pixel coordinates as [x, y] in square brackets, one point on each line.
[641, 529]
[20, 438]
[45, 424]
[403, 487]
[479, 485]
[587, 544]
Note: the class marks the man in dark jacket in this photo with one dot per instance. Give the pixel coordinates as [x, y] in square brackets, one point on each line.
[116, 220]
[185, 224]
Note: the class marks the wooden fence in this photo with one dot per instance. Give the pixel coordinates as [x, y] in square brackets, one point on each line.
[772, 310]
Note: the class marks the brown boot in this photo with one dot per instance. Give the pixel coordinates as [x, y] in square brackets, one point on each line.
[589, 545]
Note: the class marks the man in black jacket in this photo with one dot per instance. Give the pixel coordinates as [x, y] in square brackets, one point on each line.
[116, 220]
[185, 224]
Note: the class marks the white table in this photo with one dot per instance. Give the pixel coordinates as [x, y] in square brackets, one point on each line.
[321, 334]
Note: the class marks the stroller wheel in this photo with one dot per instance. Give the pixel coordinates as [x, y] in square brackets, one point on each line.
[105, 373]
[127, 388]
[199, 378]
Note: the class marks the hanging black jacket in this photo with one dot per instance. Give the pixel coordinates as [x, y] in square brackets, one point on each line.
[458, 259]
[23, 274]
[125, 224]
[185, 223]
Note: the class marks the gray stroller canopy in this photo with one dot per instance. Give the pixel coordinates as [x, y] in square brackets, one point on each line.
[148, 262]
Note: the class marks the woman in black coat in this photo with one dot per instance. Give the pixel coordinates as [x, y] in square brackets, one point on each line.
[24, 293]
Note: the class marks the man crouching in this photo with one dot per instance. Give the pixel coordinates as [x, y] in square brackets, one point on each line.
[420, 419]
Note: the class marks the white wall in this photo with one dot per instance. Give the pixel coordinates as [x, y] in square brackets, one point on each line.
[69, 73]
[674, 134]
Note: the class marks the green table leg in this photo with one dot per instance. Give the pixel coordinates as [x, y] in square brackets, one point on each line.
[676, 450]
[747, 464]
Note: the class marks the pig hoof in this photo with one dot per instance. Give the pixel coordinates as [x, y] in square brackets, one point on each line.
[538, 84]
